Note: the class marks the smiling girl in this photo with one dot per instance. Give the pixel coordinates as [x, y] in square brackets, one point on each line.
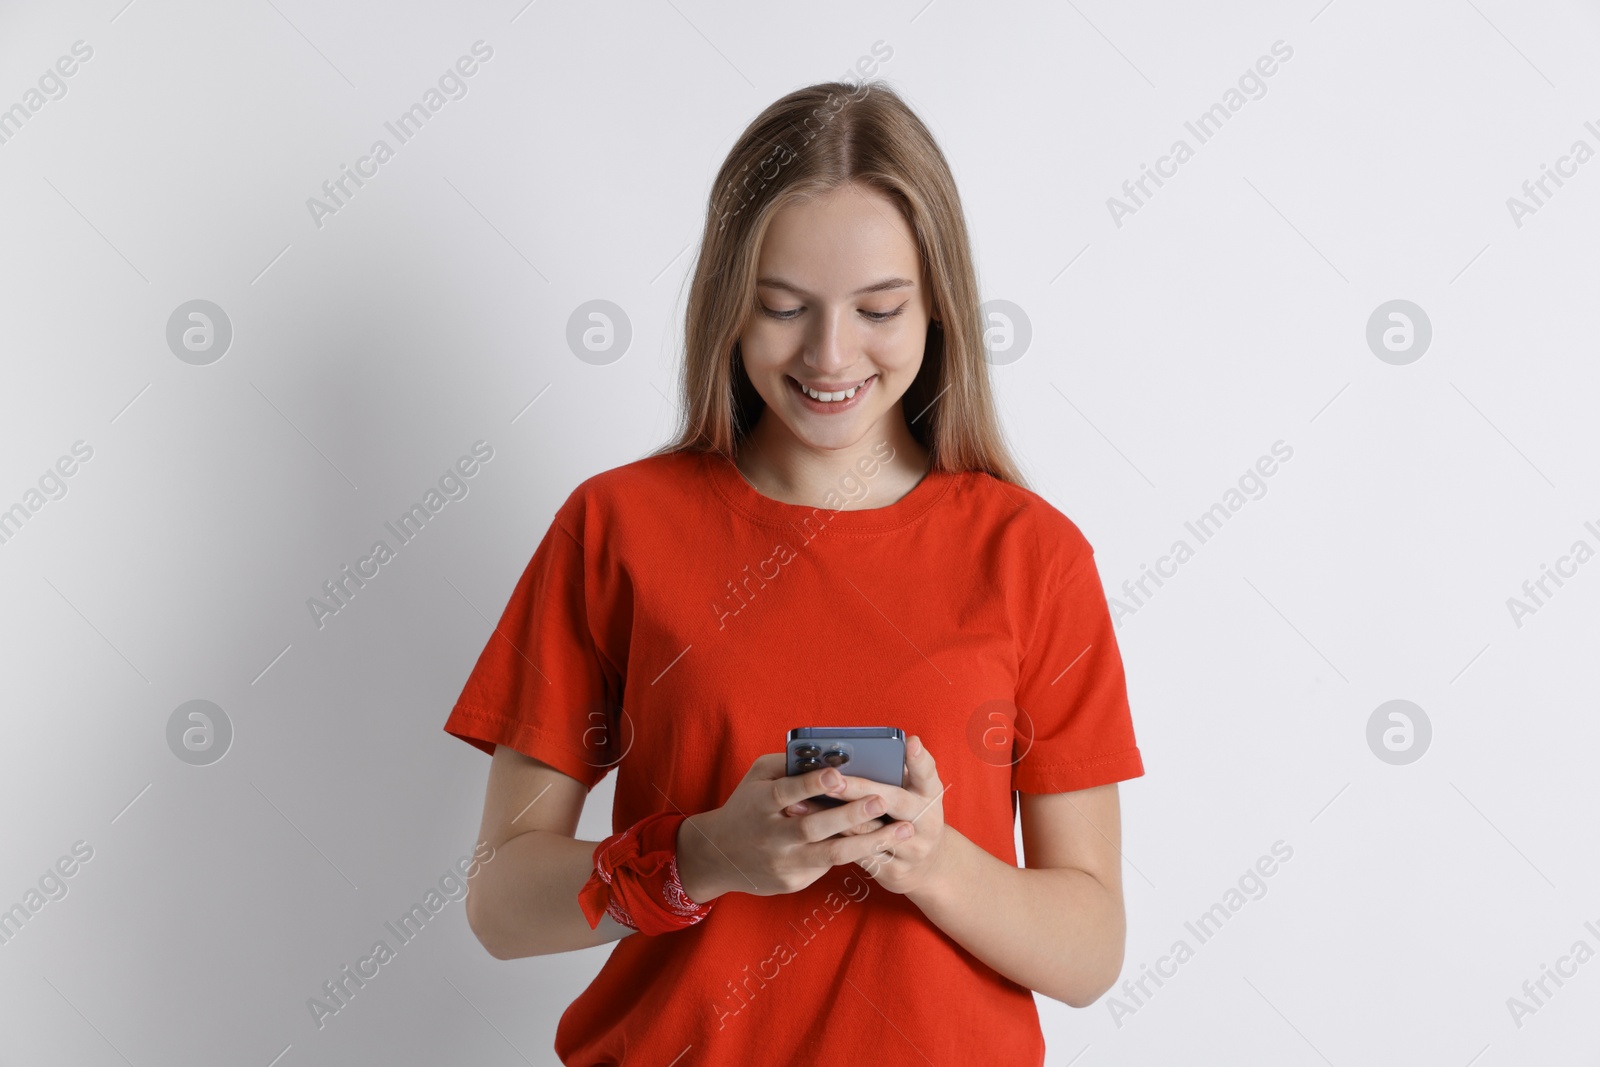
[838, 424]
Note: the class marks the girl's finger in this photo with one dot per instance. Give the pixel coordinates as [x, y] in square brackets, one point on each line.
[896, 799]
[922, 776]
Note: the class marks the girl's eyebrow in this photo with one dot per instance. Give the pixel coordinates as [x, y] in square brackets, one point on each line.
[875, 287]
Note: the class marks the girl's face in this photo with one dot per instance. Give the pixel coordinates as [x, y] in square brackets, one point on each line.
[841, 304]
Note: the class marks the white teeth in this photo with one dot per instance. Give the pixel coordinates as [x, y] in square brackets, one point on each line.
[828, 398]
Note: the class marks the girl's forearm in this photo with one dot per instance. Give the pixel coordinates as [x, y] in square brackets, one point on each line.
[1054, 930]
[525, 903]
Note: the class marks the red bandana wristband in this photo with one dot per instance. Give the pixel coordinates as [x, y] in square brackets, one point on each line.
[635, 879]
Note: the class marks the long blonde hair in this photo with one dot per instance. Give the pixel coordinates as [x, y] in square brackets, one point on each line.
[807, 143]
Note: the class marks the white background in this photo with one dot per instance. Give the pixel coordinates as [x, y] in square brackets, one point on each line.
[1168, 353]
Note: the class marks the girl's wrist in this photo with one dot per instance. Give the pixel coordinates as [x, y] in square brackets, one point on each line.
[697, 862]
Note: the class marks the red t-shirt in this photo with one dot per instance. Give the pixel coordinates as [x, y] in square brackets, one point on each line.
[674, 623]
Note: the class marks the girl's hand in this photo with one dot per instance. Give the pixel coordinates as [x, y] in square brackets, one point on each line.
[902, 866]
[751, 845]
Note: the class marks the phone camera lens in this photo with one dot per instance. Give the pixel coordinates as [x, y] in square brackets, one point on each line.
[807, 751]
[808, 765]
[836, 758]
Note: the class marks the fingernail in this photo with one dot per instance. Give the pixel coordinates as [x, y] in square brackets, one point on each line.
[832, 779]
[875, 806]
[904, 832]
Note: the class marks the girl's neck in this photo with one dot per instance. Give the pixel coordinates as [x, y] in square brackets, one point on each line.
[780, 467]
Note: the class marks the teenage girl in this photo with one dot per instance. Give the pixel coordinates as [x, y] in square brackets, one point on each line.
[836, 537]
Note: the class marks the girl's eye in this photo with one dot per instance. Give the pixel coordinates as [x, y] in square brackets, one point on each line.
[875, 316]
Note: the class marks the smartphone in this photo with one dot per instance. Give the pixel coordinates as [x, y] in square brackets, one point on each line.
[875, 752]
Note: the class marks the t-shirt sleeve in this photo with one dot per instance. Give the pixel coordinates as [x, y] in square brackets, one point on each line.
[1072, 693]
[542, 685]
